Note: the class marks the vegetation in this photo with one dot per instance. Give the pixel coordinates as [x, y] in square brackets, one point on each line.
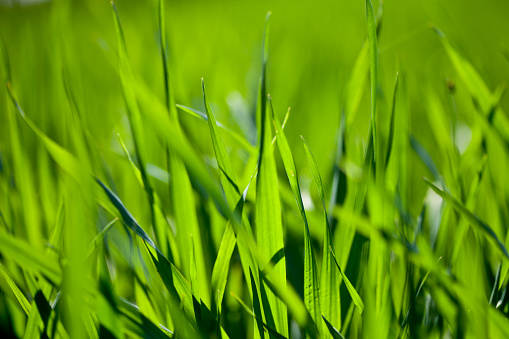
[134, 205]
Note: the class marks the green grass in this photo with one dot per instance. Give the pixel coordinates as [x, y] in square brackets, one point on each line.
[135, 203]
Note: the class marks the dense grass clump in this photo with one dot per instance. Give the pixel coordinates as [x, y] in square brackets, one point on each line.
[127, 209]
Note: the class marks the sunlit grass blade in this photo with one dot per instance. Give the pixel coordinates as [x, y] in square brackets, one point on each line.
[472, 218]
[330, 280]
[311, 282]
[136, 324]
[30, 258]
[351, 289]
[99, 237]
[64, 158]
[358, 76]
[373, 57]
[12, 290]
[240, 139]
[269, 227]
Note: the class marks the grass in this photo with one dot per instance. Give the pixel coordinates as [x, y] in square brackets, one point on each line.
[152, 213]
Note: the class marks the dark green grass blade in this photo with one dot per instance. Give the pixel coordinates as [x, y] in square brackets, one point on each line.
[472, 218]
[391, 130]
[136, 324]
[332, 330]
[311, 282]
[426, 158]
[127, 217]
[246, 308]
[330, 280]
[296, 307]
[269, 227]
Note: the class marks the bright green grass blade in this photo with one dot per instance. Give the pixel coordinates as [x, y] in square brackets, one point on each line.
[472, 218]
[332, 330]
[137, 325]
[159, 215]
[64, 159]
[269, 227]
[373, 57]
[99, 238]
[30, 258]
[135, 169]
[477, 87]
[181, 189]
[351, 289]
[240, 139]
[188, 230]
[251, 313]
[226, 173]
[311, 282]
[356, 81]
[391, 129]
[221, 267]
[177, 285]
[12, 290]
[330, 280]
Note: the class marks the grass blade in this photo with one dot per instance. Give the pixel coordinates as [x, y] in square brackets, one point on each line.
[269, 227]
[332, 330]
[472, 218]
[391, 130]
[353, 293]
[30, 258]
[202, 116]
[246, 308]
[311, 282]
[330, 280]
[373, 57]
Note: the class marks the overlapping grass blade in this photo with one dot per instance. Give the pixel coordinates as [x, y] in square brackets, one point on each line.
[269, 228]
[329, 283]
[311, 282]
[30, 258]
[12, 290]
[182, 194]
[471, 217]
[296, 307]
[332, 330]
[246, 308]
[238, 138]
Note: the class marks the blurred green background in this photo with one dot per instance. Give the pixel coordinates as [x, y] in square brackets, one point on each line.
[313, 46]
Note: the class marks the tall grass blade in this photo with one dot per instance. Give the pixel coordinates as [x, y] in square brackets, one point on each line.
[269, 227]
[330, 280]
[311, 282]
